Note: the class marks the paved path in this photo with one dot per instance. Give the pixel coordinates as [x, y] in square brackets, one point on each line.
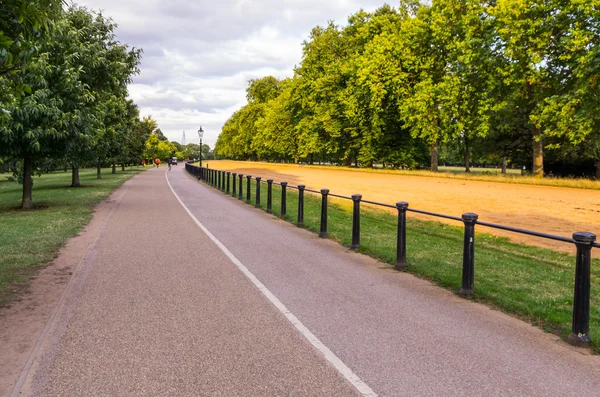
[258, 307]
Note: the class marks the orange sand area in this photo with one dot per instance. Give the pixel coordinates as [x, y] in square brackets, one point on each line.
[553, 210]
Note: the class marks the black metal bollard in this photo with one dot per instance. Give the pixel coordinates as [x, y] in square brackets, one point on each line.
[323, 230]
[222, 187]
[356, 221]
[234, 192]
[240, 193]
[218, 179]
[283, 199]
[228, 179]
[248, 177]
[581, 304]
[402, 206]
[269, 196]
[301, 205]
[258, 178]
[468, 272]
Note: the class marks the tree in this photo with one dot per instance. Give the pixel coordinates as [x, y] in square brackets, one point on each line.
[21, 25]
[155, 148]
[44, 116]
[535, 38]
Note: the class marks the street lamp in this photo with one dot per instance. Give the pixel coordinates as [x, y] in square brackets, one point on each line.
[200, 134]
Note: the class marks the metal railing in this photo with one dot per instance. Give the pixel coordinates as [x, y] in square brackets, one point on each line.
[583, 241]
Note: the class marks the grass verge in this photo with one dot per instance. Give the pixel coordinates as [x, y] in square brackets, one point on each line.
[531, 283]
[31, 239]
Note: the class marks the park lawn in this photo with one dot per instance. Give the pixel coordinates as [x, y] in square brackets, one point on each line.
[534, 284]
[31, 239]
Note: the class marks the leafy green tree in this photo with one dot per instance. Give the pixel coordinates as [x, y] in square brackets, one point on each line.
[155, 148]
[44, 116]
[22, 23]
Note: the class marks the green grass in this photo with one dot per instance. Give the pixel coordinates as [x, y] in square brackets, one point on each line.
[31, 239]
[534, 284]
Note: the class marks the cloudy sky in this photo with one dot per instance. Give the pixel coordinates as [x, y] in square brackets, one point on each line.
[199, 55]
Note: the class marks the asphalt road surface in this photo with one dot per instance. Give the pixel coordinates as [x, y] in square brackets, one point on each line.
[189, 292]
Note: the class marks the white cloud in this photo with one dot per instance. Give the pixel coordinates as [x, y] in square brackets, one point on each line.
[198, 56]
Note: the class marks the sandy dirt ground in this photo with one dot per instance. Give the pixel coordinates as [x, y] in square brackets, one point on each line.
[553, 210]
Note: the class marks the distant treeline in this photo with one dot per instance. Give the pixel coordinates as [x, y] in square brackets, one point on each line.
[503, 82]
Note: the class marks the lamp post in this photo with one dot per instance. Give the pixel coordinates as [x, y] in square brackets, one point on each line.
[200, 135]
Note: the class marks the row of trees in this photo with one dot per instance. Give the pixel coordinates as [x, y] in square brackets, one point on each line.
[512, 80]
[63, 85]
[157, 145]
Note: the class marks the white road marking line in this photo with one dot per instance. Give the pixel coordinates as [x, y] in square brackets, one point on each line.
[342, 368]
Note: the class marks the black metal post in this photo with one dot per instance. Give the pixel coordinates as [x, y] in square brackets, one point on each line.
[228, 181]
[222, 187]
[234, 192]
[248, 177]
[468, 272]
[301, 205]
[218, 179]
[258, 178]
[356, 221]
[323, 231]
[269, 195]
[241, 195]
[283, 199]
[402, 206]
[581, 304]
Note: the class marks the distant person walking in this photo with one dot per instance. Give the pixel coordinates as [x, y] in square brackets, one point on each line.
[157, 162]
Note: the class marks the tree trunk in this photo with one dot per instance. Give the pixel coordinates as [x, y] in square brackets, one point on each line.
[114, 168]
[347, 162]
[75, 177]
[538, 154]
[434, 157]
[598, 170]
[467, 156]
[504, 165]
[27, 202]
[122, 166]
[98, 171]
